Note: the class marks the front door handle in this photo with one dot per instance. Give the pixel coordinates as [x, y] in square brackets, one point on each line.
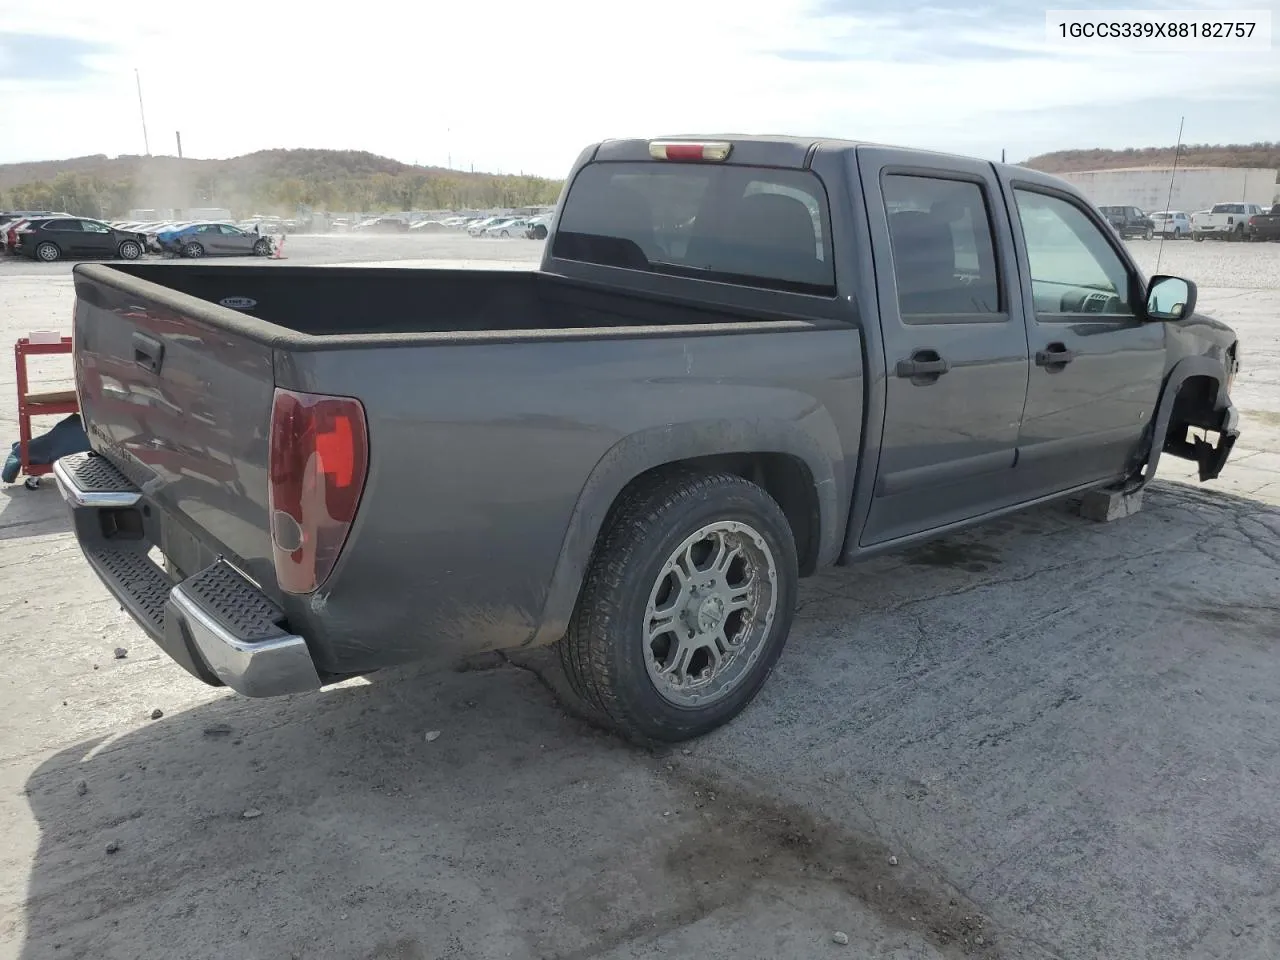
[925, 366]
[1055, 356]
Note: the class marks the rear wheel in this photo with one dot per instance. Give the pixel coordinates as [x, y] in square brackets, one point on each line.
[685, 609]
[1197, 236]
[130, 250]
[48, 252]
[193, 250]
[506, 234]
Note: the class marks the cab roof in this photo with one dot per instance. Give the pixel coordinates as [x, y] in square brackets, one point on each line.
[770, 150]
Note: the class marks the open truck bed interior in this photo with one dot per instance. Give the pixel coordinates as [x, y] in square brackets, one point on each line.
[350, 301]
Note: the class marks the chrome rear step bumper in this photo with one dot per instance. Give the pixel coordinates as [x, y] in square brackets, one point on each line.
[215, 623]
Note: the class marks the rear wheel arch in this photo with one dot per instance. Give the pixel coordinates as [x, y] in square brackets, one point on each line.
[787, 463]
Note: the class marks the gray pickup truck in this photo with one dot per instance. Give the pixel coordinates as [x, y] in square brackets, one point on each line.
[741, 359]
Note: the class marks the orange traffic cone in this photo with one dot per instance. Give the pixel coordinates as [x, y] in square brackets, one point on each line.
[278, 252]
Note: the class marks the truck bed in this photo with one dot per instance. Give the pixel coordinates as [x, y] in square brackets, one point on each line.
[504, 412]
[357, 301]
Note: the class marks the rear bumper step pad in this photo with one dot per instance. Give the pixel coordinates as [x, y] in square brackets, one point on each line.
[215, 624]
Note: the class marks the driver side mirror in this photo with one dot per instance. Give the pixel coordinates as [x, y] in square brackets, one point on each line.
[1170, 298]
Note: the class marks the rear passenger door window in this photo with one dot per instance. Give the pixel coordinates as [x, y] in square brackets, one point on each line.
[944, 257]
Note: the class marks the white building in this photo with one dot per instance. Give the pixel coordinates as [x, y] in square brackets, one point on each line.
[1194, 188]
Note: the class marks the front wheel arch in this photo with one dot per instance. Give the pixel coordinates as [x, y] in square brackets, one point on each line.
[1195, 385]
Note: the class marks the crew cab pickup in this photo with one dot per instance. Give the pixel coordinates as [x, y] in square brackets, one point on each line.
[1225, 221]
[740, 360]
[1130, 222]
[1266, 226]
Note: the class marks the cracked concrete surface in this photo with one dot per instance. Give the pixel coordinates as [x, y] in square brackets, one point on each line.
[1065, 733]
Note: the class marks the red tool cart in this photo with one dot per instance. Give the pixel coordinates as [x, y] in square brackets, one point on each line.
[55, 402]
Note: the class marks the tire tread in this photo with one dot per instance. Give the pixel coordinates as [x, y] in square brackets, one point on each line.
[584, 650]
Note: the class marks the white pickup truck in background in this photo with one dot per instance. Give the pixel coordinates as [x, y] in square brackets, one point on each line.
[1226, 221]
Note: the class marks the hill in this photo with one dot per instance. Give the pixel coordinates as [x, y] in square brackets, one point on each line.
[1191, 155]
[269, 181]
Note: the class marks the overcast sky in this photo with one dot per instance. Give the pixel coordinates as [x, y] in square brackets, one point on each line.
[522, 85]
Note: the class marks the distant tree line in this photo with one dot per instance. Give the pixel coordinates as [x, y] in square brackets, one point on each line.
[279, 181]
[1264, 154]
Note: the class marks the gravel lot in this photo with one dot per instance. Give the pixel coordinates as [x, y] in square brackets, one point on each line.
[1042, 738]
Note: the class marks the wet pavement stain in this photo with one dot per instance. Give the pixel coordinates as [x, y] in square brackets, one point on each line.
[953, 554]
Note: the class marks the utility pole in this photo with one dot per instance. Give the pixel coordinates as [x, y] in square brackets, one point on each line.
[146, 144]
[178, 134]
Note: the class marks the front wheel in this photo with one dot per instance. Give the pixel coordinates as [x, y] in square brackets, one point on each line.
[262, 248]
[685, 609]
[193, 250]
[1197, 236]
[130, 250]
[506, 235]
[1150, 232]
[48, 252]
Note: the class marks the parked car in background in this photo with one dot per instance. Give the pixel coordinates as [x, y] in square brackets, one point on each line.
[10, 222]
[506, 227]
[55, 238]
[1226, 221]
[215, 240]
[477, 227]
[428, 226]
[382, 225]
[1174, 224]
[1129, 222]
[538, 227]
[1266, 226]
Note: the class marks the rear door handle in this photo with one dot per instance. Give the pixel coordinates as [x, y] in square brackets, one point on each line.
[1055, 355]
[923, 364]
[147, 352]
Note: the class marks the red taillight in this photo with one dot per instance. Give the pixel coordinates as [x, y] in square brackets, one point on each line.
[689, 150]
[318, 462]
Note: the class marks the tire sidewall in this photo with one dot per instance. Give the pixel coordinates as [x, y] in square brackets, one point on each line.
[657, 717]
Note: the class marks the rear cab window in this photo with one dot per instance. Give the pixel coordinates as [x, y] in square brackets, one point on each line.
[752, 226]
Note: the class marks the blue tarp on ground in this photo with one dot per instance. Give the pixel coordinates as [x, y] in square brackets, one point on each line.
[66, 438]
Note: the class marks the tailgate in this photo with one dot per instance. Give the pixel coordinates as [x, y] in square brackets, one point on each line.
[183, 407]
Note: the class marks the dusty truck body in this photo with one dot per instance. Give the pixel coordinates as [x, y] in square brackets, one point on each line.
[741, 359]
[1266, 226]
